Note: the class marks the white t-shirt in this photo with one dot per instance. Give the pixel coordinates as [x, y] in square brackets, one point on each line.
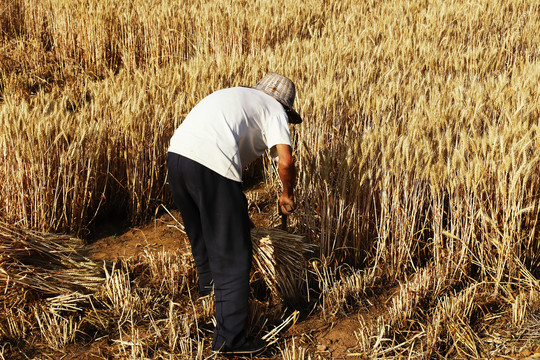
[230, 128]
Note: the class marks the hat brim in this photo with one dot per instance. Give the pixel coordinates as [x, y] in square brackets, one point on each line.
[294, 117]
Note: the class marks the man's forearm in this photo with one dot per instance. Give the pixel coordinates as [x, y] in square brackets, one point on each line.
[287, 174]
[286, 168]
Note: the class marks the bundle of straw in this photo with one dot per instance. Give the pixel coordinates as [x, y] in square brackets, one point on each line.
[280, 258]
[44, 264]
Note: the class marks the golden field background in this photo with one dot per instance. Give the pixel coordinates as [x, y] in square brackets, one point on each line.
[418, 156]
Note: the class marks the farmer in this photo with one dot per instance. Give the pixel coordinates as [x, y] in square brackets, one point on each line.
[222, 134]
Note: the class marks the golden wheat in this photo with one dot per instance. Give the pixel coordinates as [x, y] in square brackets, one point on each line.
[418, 156]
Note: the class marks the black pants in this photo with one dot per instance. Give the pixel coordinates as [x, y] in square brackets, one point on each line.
[215, 214]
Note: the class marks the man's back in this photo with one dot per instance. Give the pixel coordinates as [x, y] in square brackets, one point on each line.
[230, 128]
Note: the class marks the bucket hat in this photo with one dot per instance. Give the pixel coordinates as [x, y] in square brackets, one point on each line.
[283, 90]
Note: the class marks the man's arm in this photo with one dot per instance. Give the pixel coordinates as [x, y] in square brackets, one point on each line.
[287, 173]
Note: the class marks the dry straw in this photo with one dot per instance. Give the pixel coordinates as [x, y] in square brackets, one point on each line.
[46, 283]
[281, 258]
[46, 264]
[51, 287]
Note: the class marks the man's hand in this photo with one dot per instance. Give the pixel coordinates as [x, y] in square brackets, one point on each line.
[286, 204]
[287, 174]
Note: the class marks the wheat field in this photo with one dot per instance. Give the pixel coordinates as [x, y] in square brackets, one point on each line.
[418, 156]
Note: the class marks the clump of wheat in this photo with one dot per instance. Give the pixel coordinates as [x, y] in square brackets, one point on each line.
[281, 259]
[44, 263]
[46, 283]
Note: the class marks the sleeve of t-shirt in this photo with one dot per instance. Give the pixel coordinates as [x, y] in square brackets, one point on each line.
[277, 132]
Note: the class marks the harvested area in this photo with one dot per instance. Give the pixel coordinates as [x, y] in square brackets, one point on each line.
[314, 334]
[151, 253]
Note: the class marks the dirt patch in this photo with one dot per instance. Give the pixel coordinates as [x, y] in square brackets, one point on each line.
[329, 338]
[163, 234]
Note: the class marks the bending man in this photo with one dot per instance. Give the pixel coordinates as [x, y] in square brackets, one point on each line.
[222, 134]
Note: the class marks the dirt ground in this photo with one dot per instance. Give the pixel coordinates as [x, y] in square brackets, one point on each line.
[324, 338]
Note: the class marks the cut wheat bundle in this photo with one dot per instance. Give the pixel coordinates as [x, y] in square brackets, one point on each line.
[280, 258]
[47, 264]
